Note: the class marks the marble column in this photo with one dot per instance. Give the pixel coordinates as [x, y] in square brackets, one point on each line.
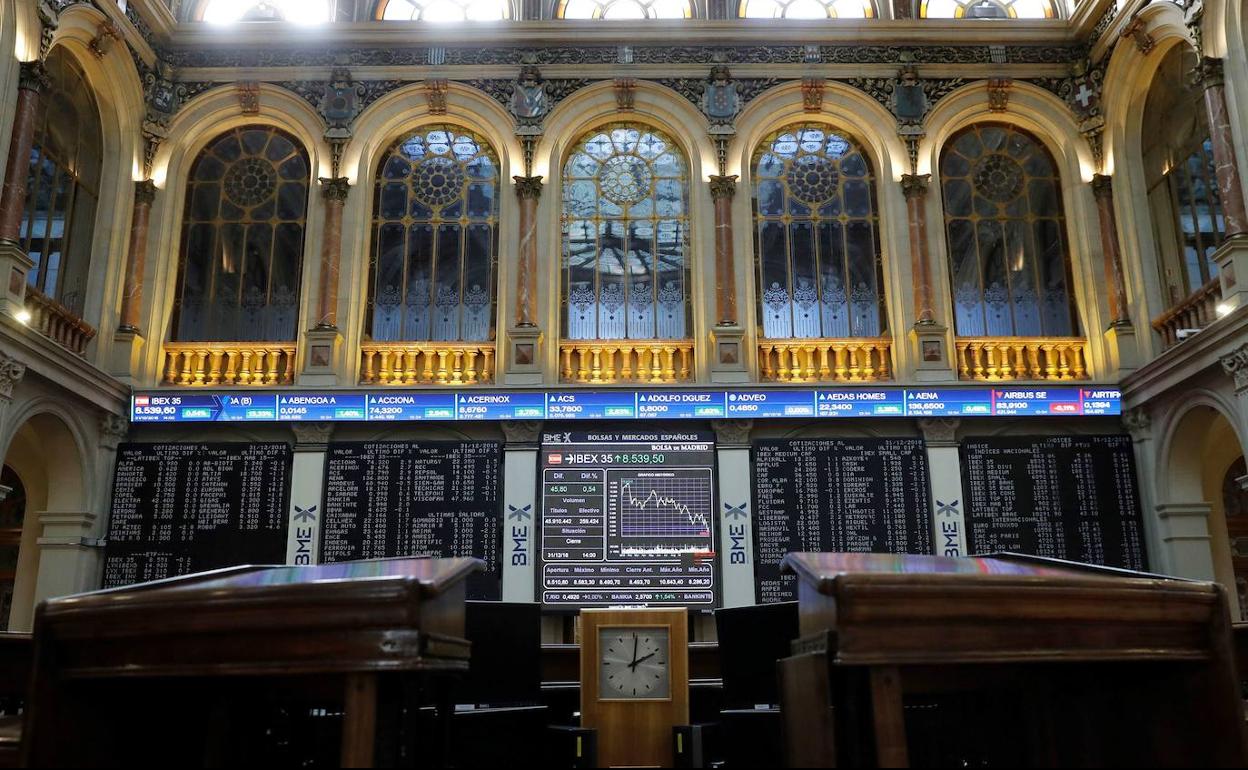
[1103, 191]
[915, 188]
[335, 191]
[13, 195]
[528, 191]
[1209, 75]
[723, 190]
[132, 298]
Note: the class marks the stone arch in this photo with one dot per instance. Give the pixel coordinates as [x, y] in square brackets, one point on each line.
[403, 111]
[47, 451]
[1050, 121]
[198, 123]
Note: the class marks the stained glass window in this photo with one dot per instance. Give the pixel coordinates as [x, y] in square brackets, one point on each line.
[435, 238]
[295, 11]
[987, 9]
[242, 239]
[63, 185]
[806, 9]
[816, 236]
[626, 222]
[1006, 235]
[445, 10]
[624, 9]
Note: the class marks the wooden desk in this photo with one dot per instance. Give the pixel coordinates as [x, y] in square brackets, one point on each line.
[1040, 663]
[110, 666]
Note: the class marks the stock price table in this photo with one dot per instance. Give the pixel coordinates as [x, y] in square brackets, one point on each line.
[401, 498]
[836, 495]
[185, 507]
[1065, 497]
[627, 519]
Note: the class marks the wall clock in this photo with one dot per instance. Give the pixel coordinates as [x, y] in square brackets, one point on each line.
[634, 682]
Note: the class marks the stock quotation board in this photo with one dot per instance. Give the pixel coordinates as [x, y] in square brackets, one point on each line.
[854, 495]
[618, 404]
[1065, 497]
[405, 498]
[187, 507]
[627, 520]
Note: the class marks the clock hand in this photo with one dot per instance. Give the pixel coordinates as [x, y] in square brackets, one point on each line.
[634, 663]
[643, 659]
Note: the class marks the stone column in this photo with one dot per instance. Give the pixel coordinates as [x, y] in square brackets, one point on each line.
[736, 530]
[528, 191]
[944, 466]
[723, 190]
[335, 191]
[1209, 75]
[1115, 284]
[915, 188]
[520, 498]
[307, 480]
[32, 80]
[132, 297]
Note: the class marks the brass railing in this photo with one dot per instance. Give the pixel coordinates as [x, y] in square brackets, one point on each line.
[57, 322]
[1196, 312]
[1022, 358]
[229, 363]
[426, 363]
[831, 360]
[626, 361]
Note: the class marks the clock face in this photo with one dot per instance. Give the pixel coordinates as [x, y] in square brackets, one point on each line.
[634, 663]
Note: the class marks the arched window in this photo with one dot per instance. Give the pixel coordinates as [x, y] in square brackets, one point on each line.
[624, 9]
[1186, 206]
[294, 11]
[625, 244]
[806, 9]
[444, 10]
[817, 242]
[1006, 235]
[242, 239]
[63, 186]
[435, 238]
[987, 9]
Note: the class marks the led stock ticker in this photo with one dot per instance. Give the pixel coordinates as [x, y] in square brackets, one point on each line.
[169, 406]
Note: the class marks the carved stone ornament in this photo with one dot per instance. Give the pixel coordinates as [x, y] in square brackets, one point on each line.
[528, 187]
[1138, 33]
[1236, 365]
[999, 94]
[11, 373]
[723, 186]
[106, 34]
[625, 93]
[521, 431]
[113, 428]
[1137, 421]
[940, 430]
[732, 433]
[32, 76]
[1102, 186]
[312, 434]
[1208, 73]
[248, 92]
[812, 93]
[49, 20]
[720, 99]
[435, 93]
[335, 189]
[529, 101]
[144, 192]
[915, 185]
[340, 101]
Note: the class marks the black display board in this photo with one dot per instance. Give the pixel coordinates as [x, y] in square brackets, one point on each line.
[1065, 497]
[185, 507]
[407, 498]
[847, 495]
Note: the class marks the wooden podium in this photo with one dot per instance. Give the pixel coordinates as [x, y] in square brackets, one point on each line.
[930, 660]
[172, 671]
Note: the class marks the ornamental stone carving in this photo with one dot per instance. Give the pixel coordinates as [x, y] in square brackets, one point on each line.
[732, 433]
[312, 434]
[1138, 422]
[521, 431]
[1236, 366]
[940, 431]
[11, 372]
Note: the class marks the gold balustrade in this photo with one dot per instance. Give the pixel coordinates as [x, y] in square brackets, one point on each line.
[1022, 358]
[57, 322]
[253, 364]
[426, 363]
[826, 360]
[1196, 312]
[599, 361]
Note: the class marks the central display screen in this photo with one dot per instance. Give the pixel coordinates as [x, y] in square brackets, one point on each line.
[628, 519]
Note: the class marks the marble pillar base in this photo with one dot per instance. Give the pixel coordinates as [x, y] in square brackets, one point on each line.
[1122, 348]
[1232, 260]
[728, 355]
[322, 349]
[70, 555]
[125, 361]
[1185, 541]
[931, 350]
[524, 356]
[15, 264]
